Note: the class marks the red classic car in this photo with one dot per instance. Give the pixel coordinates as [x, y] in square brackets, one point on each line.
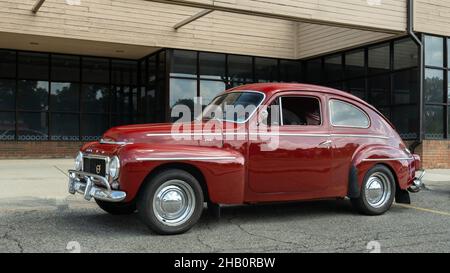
[294, 142]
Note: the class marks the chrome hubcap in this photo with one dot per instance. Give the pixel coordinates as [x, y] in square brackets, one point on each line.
[174, 202]
[378, 190]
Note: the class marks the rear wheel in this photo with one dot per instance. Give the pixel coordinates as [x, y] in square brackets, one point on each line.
[377, 192]
[171, 203]
[117, 208]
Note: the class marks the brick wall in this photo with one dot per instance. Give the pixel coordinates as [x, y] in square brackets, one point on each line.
[38, 149]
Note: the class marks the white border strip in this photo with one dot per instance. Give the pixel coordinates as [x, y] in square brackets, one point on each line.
[388, 159]
[185, 158]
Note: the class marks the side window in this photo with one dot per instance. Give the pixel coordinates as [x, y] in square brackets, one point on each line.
[347, 115]
[304, 111]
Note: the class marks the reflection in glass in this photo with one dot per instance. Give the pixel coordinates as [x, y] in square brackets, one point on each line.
[406, 54]
[210, 89]
[121, 103]
[240, 68]
[32, 126]
[333, 68]
[93, 126]
[212, 66]
[65, 68]
[347, 115]
[33, 66]
[7, 94]
[123, 72]
[94, 98]
[404, 119]
[7, 63]
[354, 64]
[64, 97]
[64, 127]
[434, 51]
[290, 71]
[434, 85]
[357, 87]
[266, 70]
[32, 95]
[379, 59]
[184, 64]
[434, 121]
[379, 87]
[314, 71]
[406, 86]
[7, 126]
[95, 70]
[182, 92]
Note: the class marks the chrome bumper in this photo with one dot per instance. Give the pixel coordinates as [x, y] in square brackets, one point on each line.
[84, 183]
[417, 183]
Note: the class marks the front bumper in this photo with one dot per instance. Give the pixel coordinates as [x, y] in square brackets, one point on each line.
[86, 184]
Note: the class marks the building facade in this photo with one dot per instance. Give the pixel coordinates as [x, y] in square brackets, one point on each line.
[70, 69]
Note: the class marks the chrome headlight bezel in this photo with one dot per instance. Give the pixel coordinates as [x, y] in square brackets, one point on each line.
[114, 167]
[79, 162]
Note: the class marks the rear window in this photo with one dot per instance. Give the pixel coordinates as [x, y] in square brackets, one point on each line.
[344, 114]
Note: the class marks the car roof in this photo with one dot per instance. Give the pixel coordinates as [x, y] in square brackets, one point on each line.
[273, 88]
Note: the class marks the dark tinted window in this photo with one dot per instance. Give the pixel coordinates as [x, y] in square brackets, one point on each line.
[95, 70]
[354, 64]
[290, 71]
[184, 64]
[434, 85]
[33, 66]
[333, 68]
[93, 126]
[124, 72]
[240, 68]
[304, 111]
[7, 63]
[7, 94]
[379, 90]
[65, 68]
[406, 87]
[32, 126]
[404, 119]
[212, 66]
[121, 102]
[64, 96]
[357, 87]
[32, 95]
[379, 59]
[434, 51]
[434, 121]
[64, 127]
[406, 54]
[182, 92]
[94, 98]
[7, 126]
[266, 70]
[314, 71]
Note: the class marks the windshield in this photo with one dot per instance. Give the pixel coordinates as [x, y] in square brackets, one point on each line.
[233, 106]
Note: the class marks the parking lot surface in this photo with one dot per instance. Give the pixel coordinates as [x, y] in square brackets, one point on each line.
[38, 215]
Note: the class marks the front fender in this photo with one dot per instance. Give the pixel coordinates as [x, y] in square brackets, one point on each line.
[398, 161]
[223, 169]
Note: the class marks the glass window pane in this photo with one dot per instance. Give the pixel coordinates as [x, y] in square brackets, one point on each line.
[151, 77]
[406, 54]
[434, 122]
[266, 70]
[64, 97]
[7, 63]
[345, 114]
[32, 95]
[7, 94]
[406, 87]
[290, 71]
[314, 71]
[33, 66]
[32, 126]
[93, 127]
[434, 51]
[123, 72]
[354, 64]
[65, 68]
[404, 119]
[212, 66]
[94, 98]
[95, 70]
[357, 88]
[162, 66]
[240, 68]
[182, 92]
[118, 120]
[64, 127]
[434, 85]
[379, 59]
[379, 87]
[7, 126]
[184, 64]
[210, 89]
[121, 102]
[333, 68]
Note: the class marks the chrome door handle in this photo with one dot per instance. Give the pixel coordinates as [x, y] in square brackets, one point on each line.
[326, 143]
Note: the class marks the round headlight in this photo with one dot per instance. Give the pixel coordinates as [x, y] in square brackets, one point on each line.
[79, 162]
[114, 167]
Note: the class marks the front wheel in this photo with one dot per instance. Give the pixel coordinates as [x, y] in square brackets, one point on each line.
[171, 203]
[377, 192]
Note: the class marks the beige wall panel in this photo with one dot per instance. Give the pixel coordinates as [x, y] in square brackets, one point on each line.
[149, 24]
[318, 39]
[432, 16]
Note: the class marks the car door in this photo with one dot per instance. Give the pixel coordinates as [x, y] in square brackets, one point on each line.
[301, 162]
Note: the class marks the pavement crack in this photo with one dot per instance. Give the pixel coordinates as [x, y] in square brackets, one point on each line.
[7, 236]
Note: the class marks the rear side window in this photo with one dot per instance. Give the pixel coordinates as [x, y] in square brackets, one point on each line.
[344, 114]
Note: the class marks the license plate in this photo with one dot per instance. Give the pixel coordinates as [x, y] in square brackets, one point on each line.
[95, 166]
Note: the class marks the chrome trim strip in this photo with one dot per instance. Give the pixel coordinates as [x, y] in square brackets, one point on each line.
[271, 134]
[186, 158]
[102, 141]
[359, 135]
[388, 159]
[291, 134]
[184, 134]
